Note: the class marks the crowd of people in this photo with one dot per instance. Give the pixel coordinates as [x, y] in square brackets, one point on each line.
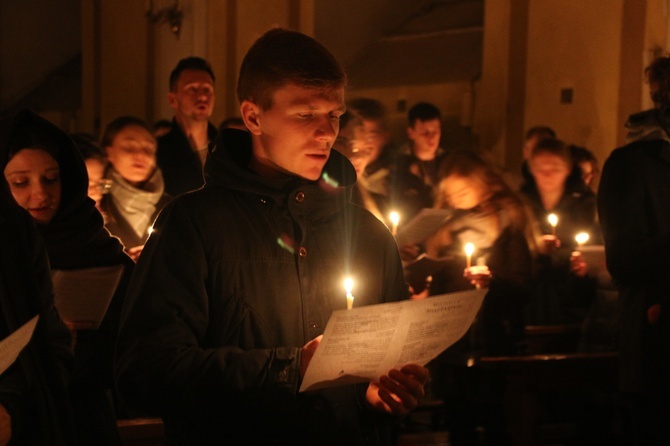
[228, 240]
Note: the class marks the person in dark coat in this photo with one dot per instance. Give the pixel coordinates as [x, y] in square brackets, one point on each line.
[137, 191]
[34, 404]
[633, 202]
[47, 177]
[181, 151]
[559, 297]
[491, 217]
[238, 280]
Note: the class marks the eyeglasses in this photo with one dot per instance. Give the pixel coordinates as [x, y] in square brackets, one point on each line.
[104, 186]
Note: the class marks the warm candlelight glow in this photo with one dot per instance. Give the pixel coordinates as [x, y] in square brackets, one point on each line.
[553, 221]
[150, 230]
[395, 219]
[469, 249]
[349, 286]
[581, 238]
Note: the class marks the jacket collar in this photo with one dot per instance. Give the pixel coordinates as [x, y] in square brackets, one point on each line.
[227, 167]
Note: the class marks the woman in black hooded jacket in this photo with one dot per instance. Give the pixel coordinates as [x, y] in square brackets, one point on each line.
[75, 239]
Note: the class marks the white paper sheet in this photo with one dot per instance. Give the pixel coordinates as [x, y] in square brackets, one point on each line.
[83, 295]
[423, 225]
[11, 346]
[361, 344]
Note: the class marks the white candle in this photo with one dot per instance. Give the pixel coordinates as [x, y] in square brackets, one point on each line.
[553, 221]
[469, 249]
[349, 286]
[395, 219]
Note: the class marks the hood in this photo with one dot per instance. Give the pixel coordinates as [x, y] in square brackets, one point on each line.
[227, 167]
[75, 237]
[649, 125]
[33, 129]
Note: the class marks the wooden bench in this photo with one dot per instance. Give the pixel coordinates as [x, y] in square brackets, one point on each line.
[531, 376]
[141, 432]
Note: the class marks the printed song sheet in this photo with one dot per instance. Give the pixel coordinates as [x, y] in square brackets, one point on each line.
[422, 226]
[364, 343]
[83, 295]
[11, 346]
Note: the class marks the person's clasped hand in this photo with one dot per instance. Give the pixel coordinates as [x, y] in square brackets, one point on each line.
[398, 392]
[479, 276]
[577, 264]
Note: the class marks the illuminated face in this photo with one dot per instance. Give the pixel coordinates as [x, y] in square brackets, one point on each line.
[95, 169]
[193, 98]
[463, 192]
[133, 154]
[295, 135]
[425, 136]
[34, 180]
[550, 172]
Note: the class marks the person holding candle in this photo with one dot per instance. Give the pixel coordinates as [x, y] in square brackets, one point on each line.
[492, 245]
[237, 283]
[562, 206]
[137, 192]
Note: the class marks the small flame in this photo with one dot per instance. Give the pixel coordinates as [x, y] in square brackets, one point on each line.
[582, 238]
[395, 217]
[348, 285]
[553, 219]
[469, 249]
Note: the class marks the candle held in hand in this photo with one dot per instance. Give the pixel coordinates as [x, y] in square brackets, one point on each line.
[349, 286]
[395, 219]
[553, 221]
[581, 238]
[469, 249]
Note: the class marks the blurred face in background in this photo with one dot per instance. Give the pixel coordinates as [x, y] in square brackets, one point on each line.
[33, 176]
[550, 172]
[461, 192]
[425, 137]
[133, 154]
[95, 168]
[352, 143]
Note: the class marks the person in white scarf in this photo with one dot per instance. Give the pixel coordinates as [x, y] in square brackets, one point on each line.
[137, 189]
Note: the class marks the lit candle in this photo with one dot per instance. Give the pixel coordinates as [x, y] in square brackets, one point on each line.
[349, 286]
[581, 238]
[395, 219]
[553, 221]
[469, 249]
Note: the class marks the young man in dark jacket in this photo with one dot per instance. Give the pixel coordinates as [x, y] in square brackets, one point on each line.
[239, 279]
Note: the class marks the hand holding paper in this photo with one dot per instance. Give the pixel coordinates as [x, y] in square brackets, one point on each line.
[364, 343]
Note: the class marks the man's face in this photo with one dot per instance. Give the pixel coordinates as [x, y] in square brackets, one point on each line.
[295, 135]
[425, 136]
[193, 97]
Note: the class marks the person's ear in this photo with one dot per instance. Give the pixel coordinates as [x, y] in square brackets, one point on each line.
[172, 100]
[251, 116]
[410, 133]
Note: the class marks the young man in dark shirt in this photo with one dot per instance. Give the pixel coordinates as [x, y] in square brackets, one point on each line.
[237, 283]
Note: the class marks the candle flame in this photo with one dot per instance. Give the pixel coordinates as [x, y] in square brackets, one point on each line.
[348, 285]
[469, 249]
[582, 238]
[395, 217]
[553, 219]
